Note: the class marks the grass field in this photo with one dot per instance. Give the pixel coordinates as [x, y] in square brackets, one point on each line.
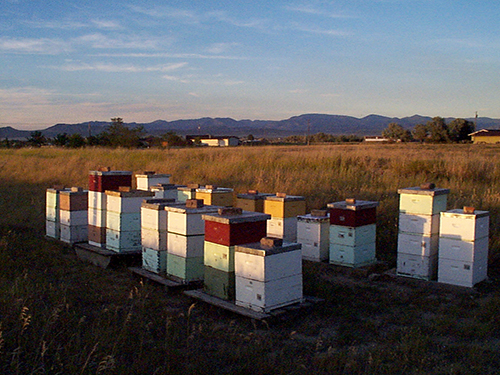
[61, 316]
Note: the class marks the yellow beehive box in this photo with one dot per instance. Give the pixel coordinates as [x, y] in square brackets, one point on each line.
[283, 206]
[215, 196]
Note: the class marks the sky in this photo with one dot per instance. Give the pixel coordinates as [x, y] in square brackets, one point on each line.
[65, 61]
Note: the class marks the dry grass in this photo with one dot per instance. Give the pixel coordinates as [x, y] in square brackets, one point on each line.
[61, 316]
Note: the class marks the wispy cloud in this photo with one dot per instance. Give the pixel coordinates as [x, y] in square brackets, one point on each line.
[167, 12]
[218, 48]
[298, 91]
[74, 25]
[312, 10]
[32, 45]
[101, 41]
[321, 31]
[121, 68]
[173, 55]
[192, 79]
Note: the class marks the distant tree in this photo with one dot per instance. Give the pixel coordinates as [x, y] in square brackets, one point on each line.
[459, 130]
[75, 141]
[438, 131]
[5, 143]
[119, 135]
[173, 140]
[250, 137]
[61, 139]
[420, 132]
[37, 139]
[396, 132]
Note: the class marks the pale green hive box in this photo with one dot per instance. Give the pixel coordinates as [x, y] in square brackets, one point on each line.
[418, 201]
[185, 269]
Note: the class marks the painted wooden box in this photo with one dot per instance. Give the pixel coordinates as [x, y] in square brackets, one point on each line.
[52, 203]
[235, 228]
[148, 179]
[185, 246]
[464, 226]
[353, 236]
[97, 236]
[187, 221]
[186, 192]
[415, 200]
[185, 269]
[219, 283]
[123, 221]
[72, 234]
[353, 213]
[126, 201]
[154, 260]
[313, 233]
[252, 201]
[218, 256]
[166, 191]
[109, 180]
[97, 200]
[417, 266]
[419, 224]
[462, 273]
[76, 199]
[97, 217]
[154, 239]
[215, 196]
[418, 244]
[285, 228]
[350, 256]
[464, 251]
[284, 206]
[123, 242]
[74, 218]
[52, 229]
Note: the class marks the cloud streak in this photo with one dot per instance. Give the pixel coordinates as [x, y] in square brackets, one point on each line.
[121, 68]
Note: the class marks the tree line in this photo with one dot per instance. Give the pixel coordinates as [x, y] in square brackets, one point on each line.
[434, 131]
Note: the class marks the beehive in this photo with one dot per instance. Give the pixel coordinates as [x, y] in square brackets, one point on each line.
[52, 212]
[313, 234]
[187, 192]
[353, 213]
[97, 236]
[75, 199]
[188, 221]
[353, 236]
[285, 228]
[185, 246]
[463, 247]
[252, 201]
[417, 266]
[219, 283]
[166, 191]
[154, 260]
[268, 276]
[422, 201]
[231, 227]
[215, 196]
[418, 244]
[101, 181]
[426, 225]
[123, 242]
[148, 179]
[185, 269]
[284, 206]
[220, 257]
[351, 256]
[126, 201]
[72, 234]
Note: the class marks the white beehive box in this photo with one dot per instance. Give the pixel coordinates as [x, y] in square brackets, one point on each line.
[185, 246]
[52, 203]
[97, 218]
[147, 180]
[285, 228]
[314, 230]
[73, 218]
[420, 224]
[97, 200]
[74, 233]
[153, 216]
[52, 229]
[123, 241]
[416, 266]
[126, 201]
[462, 273]
[187, 221]
[154, 260]
[350, 256]
[415, 200]
[127, 221]
[459, 225]
[418, 244]
[154, 239]
[463, 251]
[218, 256]
[267, 296]
[252, 261]
[166, 191]
[353, 236]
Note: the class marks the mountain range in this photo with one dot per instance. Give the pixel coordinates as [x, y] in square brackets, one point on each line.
[297, 125]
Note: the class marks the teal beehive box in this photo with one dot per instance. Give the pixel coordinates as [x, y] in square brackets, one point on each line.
[423, 200]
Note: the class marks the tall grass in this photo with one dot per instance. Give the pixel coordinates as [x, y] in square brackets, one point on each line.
[61, 316]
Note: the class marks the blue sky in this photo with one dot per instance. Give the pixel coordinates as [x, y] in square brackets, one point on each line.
[69, 61]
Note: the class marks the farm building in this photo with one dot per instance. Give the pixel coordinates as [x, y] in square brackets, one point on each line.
[486, 136]
[215, 141]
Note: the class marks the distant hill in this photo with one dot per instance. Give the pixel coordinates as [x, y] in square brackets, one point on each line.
[297, 125]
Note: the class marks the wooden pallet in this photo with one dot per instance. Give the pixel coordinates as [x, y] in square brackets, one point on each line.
[230, 306]
[106, 258]
[168, 282]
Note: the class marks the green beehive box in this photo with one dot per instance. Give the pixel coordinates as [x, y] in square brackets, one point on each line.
[219, 284]
[218, 256]
[418, 201]
[185, 269]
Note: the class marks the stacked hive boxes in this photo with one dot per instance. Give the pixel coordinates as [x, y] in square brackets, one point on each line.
[268, 274]
[223, 231]
[73, 215]
[123, 219]
[52, 220]
[185, 238]
[284, 210]
[215, 196]
[187, 192]
[251, 201]
[166, 191]
[418, 237]
[313, 233]
[154, 234]
[99, 182]
[463, 247]
[147, 180]
[353, 232]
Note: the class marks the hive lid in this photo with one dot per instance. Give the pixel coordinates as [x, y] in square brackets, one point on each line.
[254, 196]
[213, 190]
[244, 217]
[285, 198]
[460, 212]
[57, 189]
[256, 248]
[152, 174]
[158, 204]
[353, 205]
[76, 191]
[110, 173]
[129, 194]
[183, 209]
[311, 217]
[162, 187]
[189, 187]
[418, 190]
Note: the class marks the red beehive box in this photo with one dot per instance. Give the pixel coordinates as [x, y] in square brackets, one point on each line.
[101, 181]
[230, 229]
[352, 213]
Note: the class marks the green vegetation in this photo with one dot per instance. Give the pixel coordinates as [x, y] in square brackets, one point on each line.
[61, 316]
